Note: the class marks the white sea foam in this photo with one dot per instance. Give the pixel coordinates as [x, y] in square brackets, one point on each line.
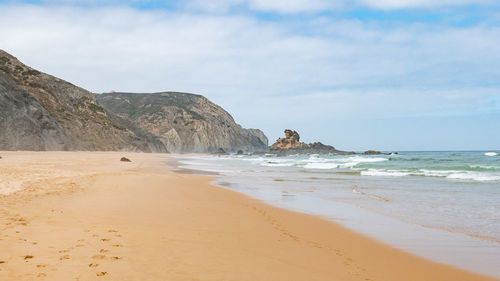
[275, 164]
[491, 154]
[385, 173]
[271, 162]
[450, 174]
[433, 173]
[314, 162]
[325, 166]
[474, 176]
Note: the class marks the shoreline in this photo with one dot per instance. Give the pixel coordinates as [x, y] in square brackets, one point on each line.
[96, 218]
[439, 245]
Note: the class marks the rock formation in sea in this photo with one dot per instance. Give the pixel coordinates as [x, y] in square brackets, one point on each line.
[291, 144]
[42, 112]
[183, 122]
[372, 152]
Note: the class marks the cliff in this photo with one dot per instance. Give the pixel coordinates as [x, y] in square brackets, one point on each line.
[291, 144]
[183, 122]
[42, 112]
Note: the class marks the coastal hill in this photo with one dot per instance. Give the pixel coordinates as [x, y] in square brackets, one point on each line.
[42, 112]
[183, 122]
[291, 144]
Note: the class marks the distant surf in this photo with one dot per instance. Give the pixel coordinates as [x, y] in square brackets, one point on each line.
[452, 191]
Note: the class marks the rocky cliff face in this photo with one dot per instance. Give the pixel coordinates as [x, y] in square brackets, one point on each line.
[41, 112]
[291, 144]
[183, 122]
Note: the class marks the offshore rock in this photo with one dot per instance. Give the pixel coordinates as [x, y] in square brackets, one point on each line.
[291, 144]
[372, 152]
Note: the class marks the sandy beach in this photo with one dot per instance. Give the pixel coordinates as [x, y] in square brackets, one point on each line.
[88, 216]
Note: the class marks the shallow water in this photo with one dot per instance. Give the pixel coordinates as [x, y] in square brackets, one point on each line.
[444, 205]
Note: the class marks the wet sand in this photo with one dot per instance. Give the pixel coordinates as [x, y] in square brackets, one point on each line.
[88, 216]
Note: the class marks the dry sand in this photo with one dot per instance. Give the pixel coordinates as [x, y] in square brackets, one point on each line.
[88, 216]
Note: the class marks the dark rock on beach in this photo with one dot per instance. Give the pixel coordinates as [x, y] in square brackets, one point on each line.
[125, 159]
[220, 151]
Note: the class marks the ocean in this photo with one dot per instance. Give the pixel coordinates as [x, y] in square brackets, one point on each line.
[443, 205]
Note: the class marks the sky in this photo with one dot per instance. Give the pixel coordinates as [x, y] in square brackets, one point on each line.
[357, 74]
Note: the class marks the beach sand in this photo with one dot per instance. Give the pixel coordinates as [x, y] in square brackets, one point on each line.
[88, 216]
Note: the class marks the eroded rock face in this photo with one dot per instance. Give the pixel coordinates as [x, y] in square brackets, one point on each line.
[183, 122]
[291, 144]
[291, 140]
[41, 112]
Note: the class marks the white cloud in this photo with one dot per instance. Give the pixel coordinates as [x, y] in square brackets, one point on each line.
[311, 6]
[410, 4]
[292, 6]
[284, 6]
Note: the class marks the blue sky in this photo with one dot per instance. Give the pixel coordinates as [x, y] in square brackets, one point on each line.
[357, 74]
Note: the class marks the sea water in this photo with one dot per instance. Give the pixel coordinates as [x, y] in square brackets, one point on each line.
[440, 205]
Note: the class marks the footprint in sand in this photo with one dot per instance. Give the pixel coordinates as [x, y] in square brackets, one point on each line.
[112, 230]
[105, 240]
[28, 257]
[99, 257]
[93, 265]
[65, 257]
[116, 258]
[117, 245]
[42, 275]
[103, 251]
[102, 273]
[41, 265]
[64, 251]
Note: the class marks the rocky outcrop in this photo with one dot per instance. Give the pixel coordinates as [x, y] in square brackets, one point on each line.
[182, 122]
[291, 144]
[41, 112]
[290, 141]
[372, 152]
